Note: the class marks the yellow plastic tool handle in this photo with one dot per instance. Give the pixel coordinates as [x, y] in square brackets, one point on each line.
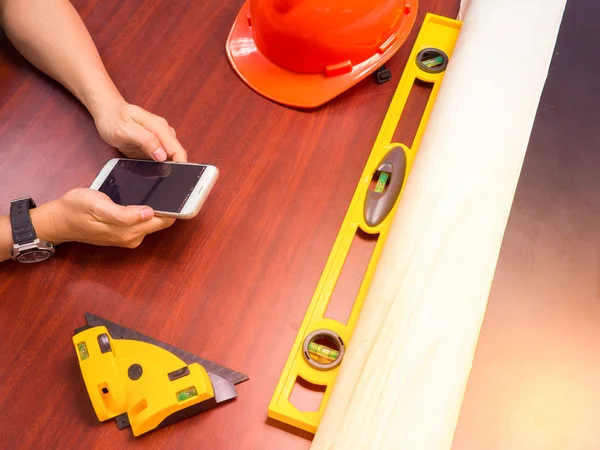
[372, 212]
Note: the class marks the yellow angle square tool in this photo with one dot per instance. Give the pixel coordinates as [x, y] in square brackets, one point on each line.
[143, 383]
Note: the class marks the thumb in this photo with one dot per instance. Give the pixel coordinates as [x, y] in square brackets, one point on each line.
[130, 215]
[147, 142]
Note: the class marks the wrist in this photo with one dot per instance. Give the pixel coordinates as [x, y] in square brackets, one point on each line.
[49, 222]
[6, 241]
[98, 102]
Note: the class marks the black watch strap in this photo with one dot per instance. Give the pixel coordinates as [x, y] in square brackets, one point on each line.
[20, 219]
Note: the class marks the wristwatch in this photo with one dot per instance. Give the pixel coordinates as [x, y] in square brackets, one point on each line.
[27, 247]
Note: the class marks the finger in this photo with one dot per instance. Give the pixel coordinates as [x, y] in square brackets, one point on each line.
[179, 157]
[175, 151]
[165, 134]
[132, 236]
[133, 151]
[125, 215]
[135, 243]
[147, 142]
[153, 225]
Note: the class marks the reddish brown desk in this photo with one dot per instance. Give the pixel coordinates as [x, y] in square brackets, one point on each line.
[233, 284]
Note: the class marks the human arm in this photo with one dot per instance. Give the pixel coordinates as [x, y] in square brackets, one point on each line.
[88, 216]
[51, 35]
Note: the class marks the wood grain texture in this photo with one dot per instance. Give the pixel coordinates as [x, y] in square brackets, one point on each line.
[402, 380]
[534, 383]
[231, 285]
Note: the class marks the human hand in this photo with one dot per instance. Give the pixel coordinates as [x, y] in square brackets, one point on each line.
[138, 133]
[91, 217]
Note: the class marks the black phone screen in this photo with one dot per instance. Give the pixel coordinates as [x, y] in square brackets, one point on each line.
[162, 186]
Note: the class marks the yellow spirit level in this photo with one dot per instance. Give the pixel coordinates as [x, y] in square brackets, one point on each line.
[320, 344]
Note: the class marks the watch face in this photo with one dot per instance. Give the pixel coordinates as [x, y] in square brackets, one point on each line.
[34, 256]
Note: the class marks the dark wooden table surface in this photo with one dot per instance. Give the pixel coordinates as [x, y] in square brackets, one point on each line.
[231, 285]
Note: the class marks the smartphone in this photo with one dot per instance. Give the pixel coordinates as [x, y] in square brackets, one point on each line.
[175, 190]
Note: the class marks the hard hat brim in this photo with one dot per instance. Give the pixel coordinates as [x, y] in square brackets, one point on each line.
[298, 89]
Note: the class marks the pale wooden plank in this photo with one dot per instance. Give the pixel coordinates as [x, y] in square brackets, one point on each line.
[403, 378]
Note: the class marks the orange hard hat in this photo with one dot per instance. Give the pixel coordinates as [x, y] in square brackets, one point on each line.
[303, 53]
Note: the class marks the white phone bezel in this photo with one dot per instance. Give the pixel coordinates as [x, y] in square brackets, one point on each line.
[194, 202]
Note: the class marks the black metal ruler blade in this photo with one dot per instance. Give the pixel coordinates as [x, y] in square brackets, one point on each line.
[120, 332]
